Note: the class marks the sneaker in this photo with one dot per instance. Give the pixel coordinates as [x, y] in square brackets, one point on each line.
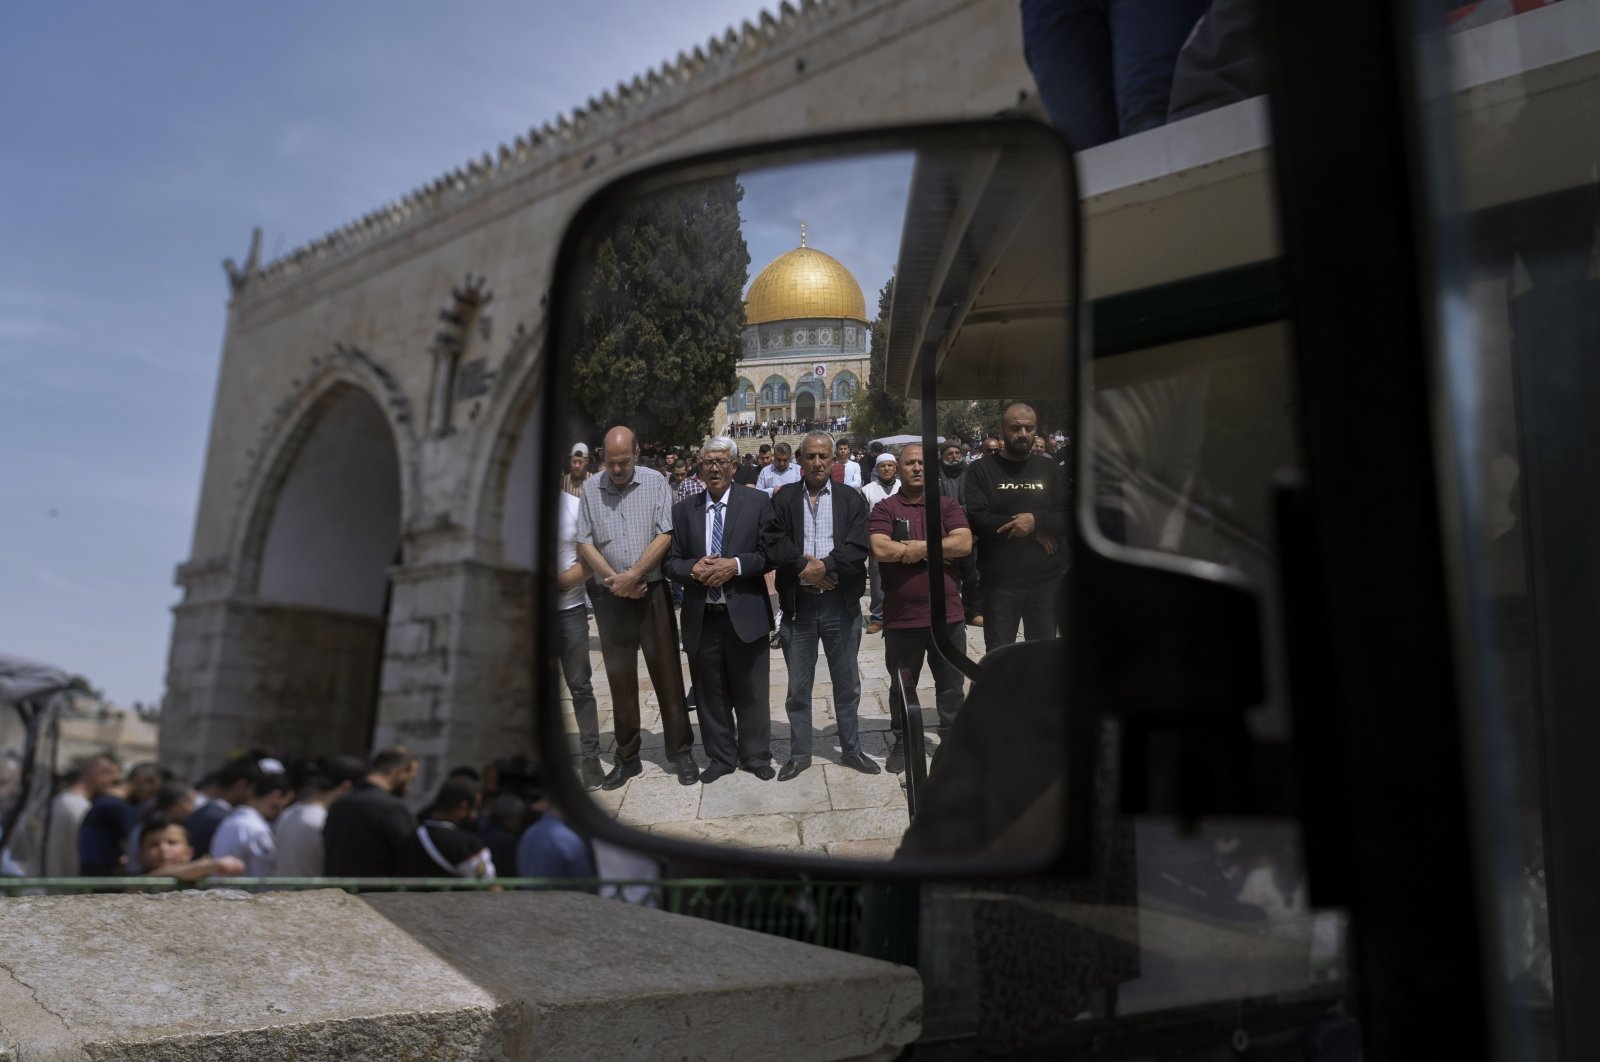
[592, 773]
[896, 763]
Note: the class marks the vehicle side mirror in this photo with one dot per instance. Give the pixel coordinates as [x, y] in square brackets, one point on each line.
[902, 286]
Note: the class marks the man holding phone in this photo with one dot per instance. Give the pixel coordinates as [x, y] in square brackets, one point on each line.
[898, 527]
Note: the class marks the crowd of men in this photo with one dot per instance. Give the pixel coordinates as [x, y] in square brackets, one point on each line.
[729, 557]
[268, 817]
[771, 429]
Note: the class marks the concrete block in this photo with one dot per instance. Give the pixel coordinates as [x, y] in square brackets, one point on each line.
[620, 982]
[499, 976]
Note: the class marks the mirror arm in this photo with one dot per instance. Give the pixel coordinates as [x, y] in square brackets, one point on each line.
[930, 500]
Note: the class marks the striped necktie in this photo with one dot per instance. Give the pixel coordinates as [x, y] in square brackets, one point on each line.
[714, 595]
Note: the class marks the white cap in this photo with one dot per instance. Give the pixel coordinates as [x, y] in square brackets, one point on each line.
[581, 449]
[884, 459]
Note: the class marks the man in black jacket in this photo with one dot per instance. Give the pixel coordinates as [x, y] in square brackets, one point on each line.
[1017, 505]
[953, 484]
[369, 827]
[716, 555]
[817, 543]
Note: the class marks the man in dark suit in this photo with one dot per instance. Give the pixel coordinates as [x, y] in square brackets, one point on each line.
[817, 543]
[716, 554]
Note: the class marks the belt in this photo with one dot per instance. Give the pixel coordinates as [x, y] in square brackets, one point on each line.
[716, 610]
[807, 588]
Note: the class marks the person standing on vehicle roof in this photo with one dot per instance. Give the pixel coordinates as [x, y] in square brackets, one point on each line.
[1017, 505]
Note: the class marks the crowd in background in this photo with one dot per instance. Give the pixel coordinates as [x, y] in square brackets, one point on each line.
[771, 429]
[277, 816]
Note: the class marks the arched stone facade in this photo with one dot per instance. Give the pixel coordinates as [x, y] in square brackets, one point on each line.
[361, 309]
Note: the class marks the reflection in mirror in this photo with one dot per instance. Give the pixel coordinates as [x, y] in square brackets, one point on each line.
[743, 545]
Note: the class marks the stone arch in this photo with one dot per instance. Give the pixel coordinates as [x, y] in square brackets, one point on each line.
[808, 398]
[774, 390]
[348, 371]
[504, 442]
[844, 386]
[316, 558]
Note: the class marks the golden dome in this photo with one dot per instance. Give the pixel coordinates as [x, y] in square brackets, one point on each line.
[803, 283]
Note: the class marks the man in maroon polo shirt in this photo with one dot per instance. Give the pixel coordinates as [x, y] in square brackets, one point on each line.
[897, 527]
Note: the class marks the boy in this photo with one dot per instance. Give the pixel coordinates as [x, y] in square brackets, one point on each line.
[164, 847]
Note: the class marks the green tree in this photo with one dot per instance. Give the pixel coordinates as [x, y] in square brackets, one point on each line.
[662, 316]
[875, 412]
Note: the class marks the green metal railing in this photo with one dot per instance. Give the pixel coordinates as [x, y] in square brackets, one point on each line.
[825, 913]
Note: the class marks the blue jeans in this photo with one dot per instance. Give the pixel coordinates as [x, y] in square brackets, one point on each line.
[575, 669]
[1104, 67]
[834, 619]
[1031, 606]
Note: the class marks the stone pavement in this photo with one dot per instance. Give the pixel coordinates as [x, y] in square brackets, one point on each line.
[829, 809]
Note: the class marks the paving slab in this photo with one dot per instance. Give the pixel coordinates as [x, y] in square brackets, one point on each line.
[860, 824]
[651, 800]
[874, 851]
[741, 831]
[745, 794]
[849, 788]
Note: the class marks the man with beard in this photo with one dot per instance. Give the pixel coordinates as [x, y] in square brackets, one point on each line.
[369, 827]
[880, 485]
[1017, 505]
[953, 484]
[577, 470]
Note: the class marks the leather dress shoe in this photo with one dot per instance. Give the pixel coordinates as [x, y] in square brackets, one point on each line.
[688, 770]
[618, 776]
[592, 774]
[764, 772]
[859, 761]
[713, 771]
[792, 768]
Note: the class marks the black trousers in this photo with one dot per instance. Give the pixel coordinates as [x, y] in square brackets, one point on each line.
[626, 626]
[731, 685]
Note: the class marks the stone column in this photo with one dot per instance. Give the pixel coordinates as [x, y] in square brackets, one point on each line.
[244, 673]
[455, 671]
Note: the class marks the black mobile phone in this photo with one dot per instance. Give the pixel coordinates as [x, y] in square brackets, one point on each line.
[902, 530]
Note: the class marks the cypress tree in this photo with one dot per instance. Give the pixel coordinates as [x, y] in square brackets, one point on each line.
[662, 317]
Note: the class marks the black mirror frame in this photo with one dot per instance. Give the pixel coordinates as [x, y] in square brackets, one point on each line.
[563, 786]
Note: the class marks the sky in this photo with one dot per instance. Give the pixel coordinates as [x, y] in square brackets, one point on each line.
[853, 209]
[141, 143]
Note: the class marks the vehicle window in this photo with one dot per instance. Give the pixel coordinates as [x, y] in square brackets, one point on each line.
[1506, 108]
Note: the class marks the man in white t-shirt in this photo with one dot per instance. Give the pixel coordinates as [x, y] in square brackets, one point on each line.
[572, 621]
[67, 812]
[884, 483]
[298, 831]
[246, 834]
